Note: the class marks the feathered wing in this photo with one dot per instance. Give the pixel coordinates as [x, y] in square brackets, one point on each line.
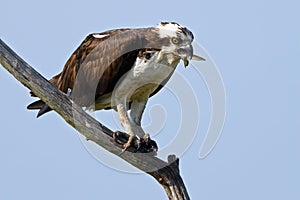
[97, 64]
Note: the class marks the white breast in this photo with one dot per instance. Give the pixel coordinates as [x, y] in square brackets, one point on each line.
[150, 70]
[142, 80]
[145, 76]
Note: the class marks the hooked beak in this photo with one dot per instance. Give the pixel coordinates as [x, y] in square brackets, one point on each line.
[186, 54]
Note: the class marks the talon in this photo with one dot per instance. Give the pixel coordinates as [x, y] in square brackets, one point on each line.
[126, 146]
[116, 137]
[128, 143]
[138, 145]
[150, 145]
[146, 138]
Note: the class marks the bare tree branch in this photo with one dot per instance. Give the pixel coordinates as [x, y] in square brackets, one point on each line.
[166, 173]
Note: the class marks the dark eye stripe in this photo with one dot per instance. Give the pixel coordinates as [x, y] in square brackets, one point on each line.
[186, 32]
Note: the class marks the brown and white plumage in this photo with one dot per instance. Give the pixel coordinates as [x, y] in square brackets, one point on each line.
[122, 68]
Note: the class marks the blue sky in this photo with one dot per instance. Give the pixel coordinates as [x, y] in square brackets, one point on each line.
[256, 46]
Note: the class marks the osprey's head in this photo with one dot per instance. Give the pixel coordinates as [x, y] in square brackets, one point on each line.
[179, 41]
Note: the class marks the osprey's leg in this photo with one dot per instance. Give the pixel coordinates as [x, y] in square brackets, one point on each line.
[136, 112]
[131, 128]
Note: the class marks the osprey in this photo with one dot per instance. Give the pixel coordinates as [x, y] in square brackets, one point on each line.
[121, 69]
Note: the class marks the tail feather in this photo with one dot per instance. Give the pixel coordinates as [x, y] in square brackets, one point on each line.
[36, 105]
[39, 105]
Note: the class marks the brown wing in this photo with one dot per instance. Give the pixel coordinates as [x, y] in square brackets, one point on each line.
[99, 62]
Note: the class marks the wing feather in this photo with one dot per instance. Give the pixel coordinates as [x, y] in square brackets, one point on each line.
[99, 62]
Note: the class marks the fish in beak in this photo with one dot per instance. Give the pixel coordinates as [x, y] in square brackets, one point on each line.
[186, 54]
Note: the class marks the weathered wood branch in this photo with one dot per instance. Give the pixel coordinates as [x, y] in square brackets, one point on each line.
[166, 173]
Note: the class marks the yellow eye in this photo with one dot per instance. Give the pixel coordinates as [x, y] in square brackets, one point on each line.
[175, 40]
